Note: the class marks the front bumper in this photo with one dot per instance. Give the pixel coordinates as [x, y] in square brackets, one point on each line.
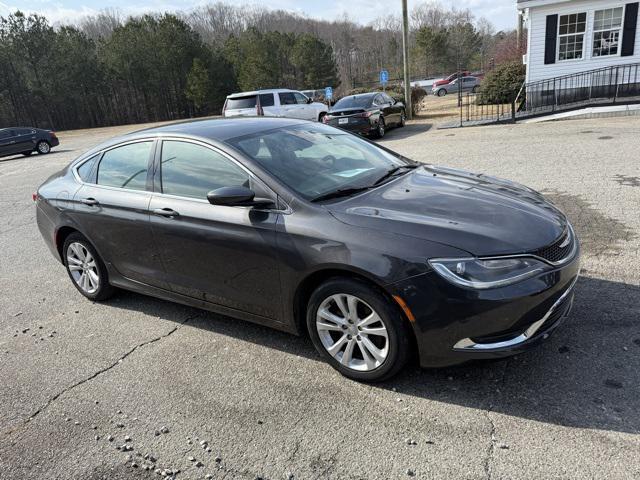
[453, 325]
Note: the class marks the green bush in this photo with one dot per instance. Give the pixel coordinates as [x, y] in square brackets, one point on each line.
[503, 83]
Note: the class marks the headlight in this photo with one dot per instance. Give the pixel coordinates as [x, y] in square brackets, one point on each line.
[481, 274]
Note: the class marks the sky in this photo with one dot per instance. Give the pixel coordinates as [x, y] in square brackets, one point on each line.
[502, 13]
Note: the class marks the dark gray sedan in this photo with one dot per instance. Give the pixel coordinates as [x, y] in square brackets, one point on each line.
[469, 84]
[313, 230]
[26, 140]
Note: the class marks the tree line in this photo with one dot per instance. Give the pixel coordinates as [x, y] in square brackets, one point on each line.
[108, 69]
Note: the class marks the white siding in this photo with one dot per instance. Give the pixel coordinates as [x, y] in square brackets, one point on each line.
[537, 70]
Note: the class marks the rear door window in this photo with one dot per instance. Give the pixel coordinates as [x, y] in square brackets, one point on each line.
[266, 100]
[126, 166]
[5, 134]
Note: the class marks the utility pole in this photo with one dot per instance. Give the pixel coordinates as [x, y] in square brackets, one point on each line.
[405, 58]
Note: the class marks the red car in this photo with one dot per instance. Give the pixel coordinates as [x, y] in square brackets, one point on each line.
[451, 78]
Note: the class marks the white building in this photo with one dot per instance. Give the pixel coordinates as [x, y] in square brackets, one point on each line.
[571, 36]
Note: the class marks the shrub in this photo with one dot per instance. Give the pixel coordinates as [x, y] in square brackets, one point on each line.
[503, 83]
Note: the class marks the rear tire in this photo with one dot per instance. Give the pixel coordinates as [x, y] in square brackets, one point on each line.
[403, 119]
[371, 343]
[43, 147]
[381, 128]
[85, 268]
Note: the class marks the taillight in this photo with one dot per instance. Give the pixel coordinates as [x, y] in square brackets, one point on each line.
[53, 134]
[34, 196]
[364, 114]
[325, 119]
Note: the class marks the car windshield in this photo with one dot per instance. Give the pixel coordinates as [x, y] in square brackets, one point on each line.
[315, 160]
[354, 102]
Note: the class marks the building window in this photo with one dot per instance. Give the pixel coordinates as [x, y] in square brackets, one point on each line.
[571, 30]
[607, 29]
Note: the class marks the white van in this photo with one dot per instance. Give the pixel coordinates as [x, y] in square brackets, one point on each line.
[279, 102]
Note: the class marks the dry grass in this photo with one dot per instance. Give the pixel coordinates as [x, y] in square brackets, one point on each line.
[438, 109]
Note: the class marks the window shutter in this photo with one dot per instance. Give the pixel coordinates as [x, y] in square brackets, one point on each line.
[550, 39]
[629, 29]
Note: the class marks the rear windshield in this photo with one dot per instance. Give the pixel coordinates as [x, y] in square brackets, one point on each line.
[235, 103]
[354, 102]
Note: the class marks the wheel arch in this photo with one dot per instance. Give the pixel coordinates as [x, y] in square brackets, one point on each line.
[313, 280]
[60, 236]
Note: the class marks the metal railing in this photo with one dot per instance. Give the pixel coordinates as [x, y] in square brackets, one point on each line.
[602, 86]
[608, 85]
[476, 108]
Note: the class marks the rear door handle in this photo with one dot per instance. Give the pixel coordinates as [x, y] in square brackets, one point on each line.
[89, 201]
[166, 212]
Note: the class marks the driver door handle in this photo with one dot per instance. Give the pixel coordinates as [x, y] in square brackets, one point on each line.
[89, 201]
[166, 212]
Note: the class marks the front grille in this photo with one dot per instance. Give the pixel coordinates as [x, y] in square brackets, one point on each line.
[555, 252]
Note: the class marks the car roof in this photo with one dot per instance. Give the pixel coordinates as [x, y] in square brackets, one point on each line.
[362, 95]
[256, 92]
[221, 129]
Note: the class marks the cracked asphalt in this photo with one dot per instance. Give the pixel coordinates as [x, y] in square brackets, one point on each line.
[74, 373]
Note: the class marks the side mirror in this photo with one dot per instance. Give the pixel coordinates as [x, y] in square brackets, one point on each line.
[309, 100]
[237, 197]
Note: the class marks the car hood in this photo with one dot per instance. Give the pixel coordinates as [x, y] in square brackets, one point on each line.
[479, 214]
[441, 82]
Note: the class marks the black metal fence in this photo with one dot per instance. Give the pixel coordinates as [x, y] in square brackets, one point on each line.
[475, 108]
[609, 85]
[602, 86]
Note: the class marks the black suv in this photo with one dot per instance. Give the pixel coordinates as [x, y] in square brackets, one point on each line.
[26, 140]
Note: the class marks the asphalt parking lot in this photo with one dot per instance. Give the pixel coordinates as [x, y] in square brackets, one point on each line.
[79, 381]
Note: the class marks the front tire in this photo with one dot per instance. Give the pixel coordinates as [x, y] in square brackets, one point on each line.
[85, 268]
[442, 92]
[43, 147]
[357, 330]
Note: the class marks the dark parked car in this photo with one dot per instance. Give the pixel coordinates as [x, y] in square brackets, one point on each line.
[26, 140]
[366, 113]
[309, 229]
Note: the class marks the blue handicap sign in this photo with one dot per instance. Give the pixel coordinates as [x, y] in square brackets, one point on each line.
[328, 93]
[384, 76]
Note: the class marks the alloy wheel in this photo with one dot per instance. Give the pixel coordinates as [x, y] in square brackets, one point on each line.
[381, 128]
[352, 332]
[43, 147]
[83, 268]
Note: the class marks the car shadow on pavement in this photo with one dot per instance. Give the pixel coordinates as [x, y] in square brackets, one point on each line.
[407, 131]
[34, 155]
[586, 375]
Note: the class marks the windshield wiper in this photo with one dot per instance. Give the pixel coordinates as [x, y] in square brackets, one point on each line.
[341, 192]
[392, 172]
